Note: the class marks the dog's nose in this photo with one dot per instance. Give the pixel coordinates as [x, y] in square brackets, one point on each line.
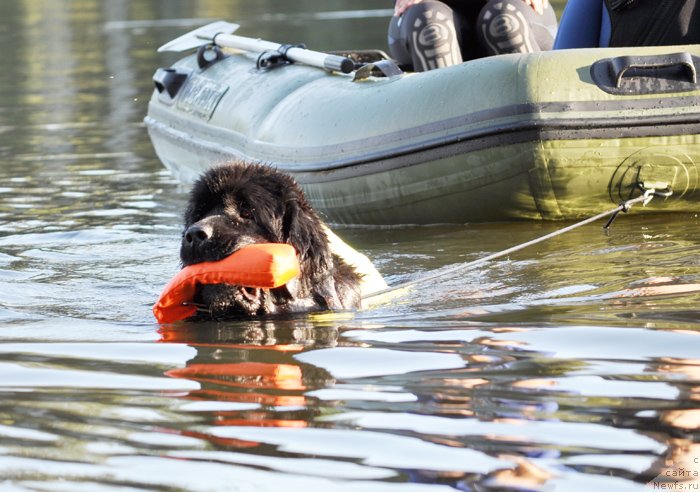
[198, 234]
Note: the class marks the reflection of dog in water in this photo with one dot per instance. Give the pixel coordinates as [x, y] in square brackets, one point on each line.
[252, 361]
[237, 204]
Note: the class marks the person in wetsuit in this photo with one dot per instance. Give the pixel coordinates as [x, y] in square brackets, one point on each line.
[601, 23]
[428, 34]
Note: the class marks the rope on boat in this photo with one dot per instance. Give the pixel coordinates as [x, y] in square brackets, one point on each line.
[644, 199]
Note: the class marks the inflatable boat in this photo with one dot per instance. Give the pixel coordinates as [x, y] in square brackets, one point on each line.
[552, 135]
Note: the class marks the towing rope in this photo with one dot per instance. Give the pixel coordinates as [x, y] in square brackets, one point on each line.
[644, 199]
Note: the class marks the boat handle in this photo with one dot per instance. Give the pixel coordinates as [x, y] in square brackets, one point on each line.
[620, 65]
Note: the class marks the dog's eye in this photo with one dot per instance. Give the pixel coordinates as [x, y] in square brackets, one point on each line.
[247, 213]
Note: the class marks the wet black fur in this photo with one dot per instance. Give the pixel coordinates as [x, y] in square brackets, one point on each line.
[237, 204]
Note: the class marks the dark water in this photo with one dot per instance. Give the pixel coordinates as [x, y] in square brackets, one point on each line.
[573, 365]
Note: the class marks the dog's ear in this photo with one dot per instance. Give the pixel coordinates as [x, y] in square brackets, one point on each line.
[302, 228]
[326, 295]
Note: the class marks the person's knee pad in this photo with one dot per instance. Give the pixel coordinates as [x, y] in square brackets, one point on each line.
[505, 26]
[425, 36]
[398, 43]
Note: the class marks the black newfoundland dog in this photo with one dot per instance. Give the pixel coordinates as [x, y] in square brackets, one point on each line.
[237, 204]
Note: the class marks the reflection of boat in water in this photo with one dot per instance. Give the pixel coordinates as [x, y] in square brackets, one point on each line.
[552, 135]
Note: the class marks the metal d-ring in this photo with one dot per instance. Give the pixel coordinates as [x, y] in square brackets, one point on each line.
[208, 54]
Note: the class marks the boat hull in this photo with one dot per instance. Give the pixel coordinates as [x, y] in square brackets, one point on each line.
[509, 137]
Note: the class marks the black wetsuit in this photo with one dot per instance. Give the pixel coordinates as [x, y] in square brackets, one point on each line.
[654, 22]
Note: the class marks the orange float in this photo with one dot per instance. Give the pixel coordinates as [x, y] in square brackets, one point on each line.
[265, 266]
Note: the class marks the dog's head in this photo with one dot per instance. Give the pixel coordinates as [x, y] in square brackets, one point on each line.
[235, 205]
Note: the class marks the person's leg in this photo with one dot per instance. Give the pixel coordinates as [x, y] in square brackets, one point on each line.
[512, 26]
[580, 25]
[398, 42]
[426, 36]
[605, 29]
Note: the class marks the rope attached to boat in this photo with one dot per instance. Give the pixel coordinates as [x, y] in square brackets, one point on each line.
[644, 199]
